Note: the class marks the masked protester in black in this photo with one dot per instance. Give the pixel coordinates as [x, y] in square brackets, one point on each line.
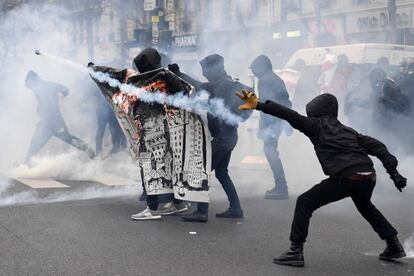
[307, 86]
[51, 120]
[406, 82]
[149, 59]
[343, 154]
[220, 85]
[271, 87]
[105, 117]
[390, 107]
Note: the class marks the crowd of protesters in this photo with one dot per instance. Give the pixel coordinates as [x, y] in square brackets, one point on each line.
[377, 100]
[381, 92]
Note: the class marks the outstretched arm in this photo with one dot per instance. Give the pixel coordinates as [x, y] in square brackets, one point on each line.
[198, 85]
[300, 122]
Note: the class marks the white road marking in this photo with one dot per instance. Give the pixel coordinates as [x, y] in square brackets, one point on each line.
[115, 181]
[41, 183]
[254, 160]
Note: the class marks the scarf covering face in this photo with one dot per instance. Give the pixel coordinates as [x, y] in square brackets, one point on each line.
[170, 145]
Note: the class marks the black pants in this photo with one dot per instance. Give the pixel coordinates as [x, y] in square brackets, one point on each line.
[270, 149]
[104, 118]
[46, 129]
[153, 201]
[331, 190]
[221, 156]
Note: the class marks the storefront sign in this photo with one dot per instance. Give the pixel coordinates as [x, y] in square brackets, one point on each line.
[288, 34]
[155, 19]
[150, 5]
[377, 21]
[185, 41]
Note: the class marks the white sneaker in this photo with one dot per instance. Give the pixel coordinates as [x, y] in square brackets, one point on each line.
[171, 209]
[147, 214]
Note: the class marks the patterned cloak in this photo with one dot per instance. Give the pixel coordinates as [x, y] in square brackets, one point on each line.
[170, 145]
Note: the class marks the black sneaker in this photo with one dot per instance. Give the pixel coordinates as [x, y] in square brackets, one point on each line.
[394, 250]
[231, 213]
[195, 217]
[292, 257]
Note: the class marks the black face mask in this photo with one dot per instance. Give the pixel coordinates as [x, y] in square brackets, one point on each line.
[213, 73]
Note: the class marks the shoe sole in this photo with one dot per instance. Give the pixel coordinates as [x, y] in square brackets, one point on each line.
[291, 263]
[393, 257]
[175, 212]
[147, 218]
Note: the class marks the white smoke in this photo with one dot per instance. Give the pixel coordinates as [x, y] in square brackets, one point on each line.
[8, 197]
[198, 104]
[75, 165]
[409, 247]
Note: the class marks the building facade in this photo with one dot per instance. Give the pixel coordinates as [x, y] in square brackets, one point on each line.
[113, 32]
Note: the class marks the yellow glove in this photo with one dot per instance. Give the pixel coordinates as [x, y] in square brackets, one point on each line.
[249, 98]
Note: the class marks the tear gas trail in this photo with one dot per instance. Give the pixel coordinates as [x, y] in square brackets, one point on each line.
[199, 103]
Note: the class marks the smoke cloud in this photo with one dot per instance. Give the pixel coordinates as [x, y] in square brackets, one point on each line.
[199, 103]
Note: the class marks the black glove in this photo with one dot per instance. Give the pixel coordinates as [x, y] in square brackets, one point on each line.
[399, 181]
[90, 64]
[174, 68]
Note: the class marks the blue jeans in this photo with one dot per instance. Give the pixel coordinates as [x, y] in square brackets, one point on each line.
[221, 156]
[272, 155]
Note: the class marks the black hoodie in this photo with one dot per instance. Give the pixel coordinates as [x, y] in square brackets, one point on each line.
[47, 96]
[340, 149]
[271, 88]
[220, 86]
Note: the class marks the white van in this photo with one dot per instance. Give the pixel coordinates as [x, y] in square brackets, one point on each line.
[357, 53]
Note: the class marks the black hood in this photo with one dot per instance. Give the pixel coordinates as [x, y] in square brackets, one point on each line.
[213, 67]
[149, 59]
[31, 79]
[323, 105]
[261, 66]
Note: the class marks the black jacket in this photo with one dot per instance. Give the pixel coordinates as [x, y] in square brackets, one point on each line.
[223, 134]
[47, 95]
[271, 88]
[340, 149]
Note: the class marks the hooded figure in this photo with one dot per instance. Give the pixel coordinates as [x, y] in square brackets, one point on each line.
[51, 121]
[148, 60]
[390, 107]
[222, 87]
[272, 88]
[343, 155]
[306, 87]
